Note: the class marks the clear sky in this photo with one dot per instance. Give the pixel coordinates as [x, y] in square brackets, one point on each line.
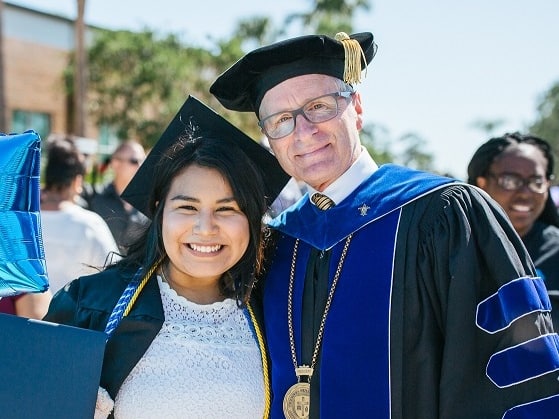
[441, 65]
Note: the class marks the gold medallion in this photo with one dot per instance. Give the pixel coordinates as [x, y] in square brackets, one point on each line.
[297, 399]
[296, 402]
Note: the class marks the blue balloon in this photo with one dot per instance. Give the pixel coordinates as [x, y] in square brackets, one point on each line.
[22, 256]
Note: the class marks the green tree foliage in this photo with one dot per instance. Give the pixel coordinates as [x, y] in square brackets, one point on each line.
[375, 139]
[329, 16]
[414, 154]
[489, 127]
[138, 80]
[408, 150]
[546, 124]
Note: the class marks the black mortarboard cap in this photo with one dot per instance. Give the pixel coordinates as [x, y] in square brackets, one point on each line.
[243, 85]
[211, 125]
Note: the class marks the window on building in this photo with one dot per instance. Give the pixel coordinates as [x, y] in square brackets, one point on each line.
[108, 140]
[38, 121]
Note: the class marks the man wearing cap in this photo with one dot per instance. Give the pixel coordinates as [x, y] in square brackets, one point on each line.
[392, 293]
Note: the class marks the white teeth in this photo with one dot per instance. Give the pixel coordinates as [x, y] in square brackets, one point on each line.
[205, 249]
[521, 208]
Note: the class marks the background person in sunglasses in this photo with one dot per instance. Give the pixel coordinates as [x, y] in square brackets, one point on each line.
[517, 170]
[125, 221]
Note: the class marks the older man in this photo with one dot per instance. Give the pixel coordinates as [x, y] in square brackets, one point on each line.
[393, 293]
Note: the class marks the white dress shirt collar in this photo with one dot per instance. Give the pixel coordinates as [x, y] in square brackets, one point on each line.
[360, 170]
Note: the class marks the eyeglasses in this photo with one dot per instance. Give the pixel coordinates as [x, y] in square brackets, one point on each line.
[320, 109]
[512, 182]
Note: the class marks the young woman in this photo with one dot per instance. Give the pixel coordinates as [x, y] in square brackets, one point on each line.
[517, 170]
[189, 345]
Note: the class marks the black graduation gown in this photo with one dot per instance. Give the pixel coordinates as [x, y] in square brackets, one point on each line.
[88, 302]
[437, 313]
[542, 243]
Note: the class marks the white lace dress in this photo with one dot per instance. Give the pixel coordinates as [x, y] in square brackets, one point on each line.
[204, 363]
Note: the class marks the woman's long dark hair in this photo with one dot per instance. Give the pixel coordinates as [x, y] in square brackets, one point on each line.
[247, 185]
[486, 154]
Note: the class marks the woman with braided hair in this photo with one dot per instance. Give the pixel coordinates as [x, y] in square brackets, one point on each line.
[517, 170]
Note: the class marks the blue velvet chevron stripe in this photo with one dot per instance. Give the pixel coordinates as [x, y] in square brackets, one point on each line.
[512, 301]
[540, 409]
[122, 303]
[525, 361]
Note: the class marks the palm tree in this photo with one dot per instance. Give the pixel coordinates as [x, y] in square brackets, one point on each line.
[3, 116]
[80, 75]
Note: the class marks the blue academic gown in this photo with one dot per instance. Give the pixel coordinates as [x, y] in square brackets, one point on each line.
[438, 312]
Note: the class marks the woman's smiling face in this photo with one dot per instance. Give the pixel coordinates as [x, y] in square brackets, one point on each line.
[523, 206]
[204, 231]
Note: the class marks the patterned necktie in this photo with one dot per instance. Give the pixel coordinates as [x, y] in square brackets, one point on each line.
[322, 201]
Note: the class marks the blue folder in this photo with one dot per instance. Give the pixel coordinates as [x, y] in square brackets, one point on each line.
[48, 370]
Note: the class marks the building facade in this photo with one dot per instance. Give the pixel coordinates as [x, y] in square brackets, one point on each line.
[38, 47]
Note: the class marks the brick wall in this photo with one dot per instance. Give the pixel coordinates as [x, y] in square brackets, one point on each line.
[33, 80]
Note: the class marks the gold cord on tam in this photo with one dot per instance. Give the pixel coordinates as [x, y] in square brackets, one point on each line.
[353, 55]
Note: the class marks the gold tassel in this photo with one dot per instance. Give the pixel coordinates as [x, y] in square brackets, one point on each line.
[353, 55]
